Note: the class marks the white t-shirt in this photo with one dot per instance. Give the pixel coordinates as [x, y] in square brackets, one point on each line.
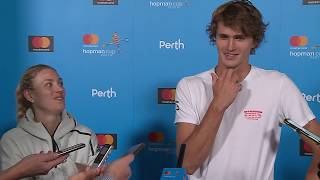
[247, 140]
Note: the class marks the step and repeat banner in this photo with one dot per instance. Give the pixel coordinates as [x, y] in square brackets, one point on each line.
[121, 60]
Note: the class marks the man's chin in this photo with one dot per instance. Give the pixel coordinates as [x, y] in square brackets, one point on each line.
[231, 66]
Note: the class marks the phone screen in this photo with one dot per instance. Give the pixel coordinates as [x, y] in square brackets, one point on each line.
[103, 155]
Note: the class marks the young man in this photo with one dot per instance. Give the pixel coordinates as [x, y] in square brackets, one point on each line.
[229, 116]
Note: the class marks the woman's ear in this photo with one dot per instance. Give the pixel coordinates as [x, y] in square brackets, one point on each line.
[27, 95]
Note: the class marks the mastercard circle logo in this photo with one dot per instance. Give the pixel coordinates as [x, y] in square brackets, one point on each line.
[90, 39]
[40, 42]
[105, 139]
[168, 94]
[156, 137]
[298, 41]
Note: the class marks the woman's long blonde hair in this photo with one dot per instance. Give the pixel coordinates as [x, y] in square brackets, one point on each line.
[25, 83]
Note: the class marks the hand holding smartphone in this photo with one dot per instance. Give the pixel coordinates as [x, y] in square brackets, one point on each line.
[103, 155]
[135, 149]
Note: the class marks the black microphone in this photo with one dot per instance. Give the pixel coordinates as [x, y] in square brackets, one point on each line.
[181, 155]
[177, 173]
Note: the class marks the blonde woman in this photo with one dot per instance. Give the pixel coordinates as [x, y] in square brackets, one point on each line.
[44, 125]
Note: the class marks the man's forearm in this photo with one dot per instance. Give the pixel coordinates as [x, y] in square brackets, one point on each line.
[200, 142]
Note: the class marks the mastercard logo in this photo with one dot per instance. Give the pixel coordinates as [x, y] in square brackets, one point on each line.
[156, 137]
[90, 39]
[107, 139]
[40, 42]
[298, 41]
[166, 95]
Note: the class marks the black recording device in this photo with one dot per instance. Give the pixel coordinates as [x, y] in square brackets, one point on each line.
[135, 149]
[302, 130]
[181, 155]
[71, 149]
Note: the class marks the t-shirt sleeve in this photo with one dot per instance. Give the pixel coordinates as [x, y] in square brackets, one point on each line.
[293, 105]
[185, 111]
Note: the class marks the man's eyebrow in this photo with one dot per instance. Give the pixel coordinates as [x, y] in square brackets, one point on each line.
[222, 34]
[239, 36]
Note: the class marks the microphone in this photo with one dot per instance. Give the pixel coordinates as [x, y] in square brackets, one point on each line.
[300, 130]
[181, 155]
[177, 173]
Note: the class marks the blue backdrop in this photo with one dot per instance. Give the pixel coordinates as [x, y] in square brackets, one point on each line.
[114, 55]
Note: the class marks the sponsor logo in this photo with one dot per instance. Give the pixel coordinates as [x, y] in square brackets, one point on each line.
[90, 39]
[99, 93]
[252, 114]
[175, 4]
[305, 149]
[311, 98]
[105, 2]
[107, 139]
[158, 144]
[299, 48]
[166, 95]
[156, 137]
[298, 41]
[40, 43]
[311, 2]
[94, 45]
[175, 45]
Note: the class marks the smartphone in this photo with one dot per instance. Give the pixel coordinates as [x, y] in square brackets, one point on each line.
[135, 149]
[103, 155]
[302, 130]
[71, 149]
